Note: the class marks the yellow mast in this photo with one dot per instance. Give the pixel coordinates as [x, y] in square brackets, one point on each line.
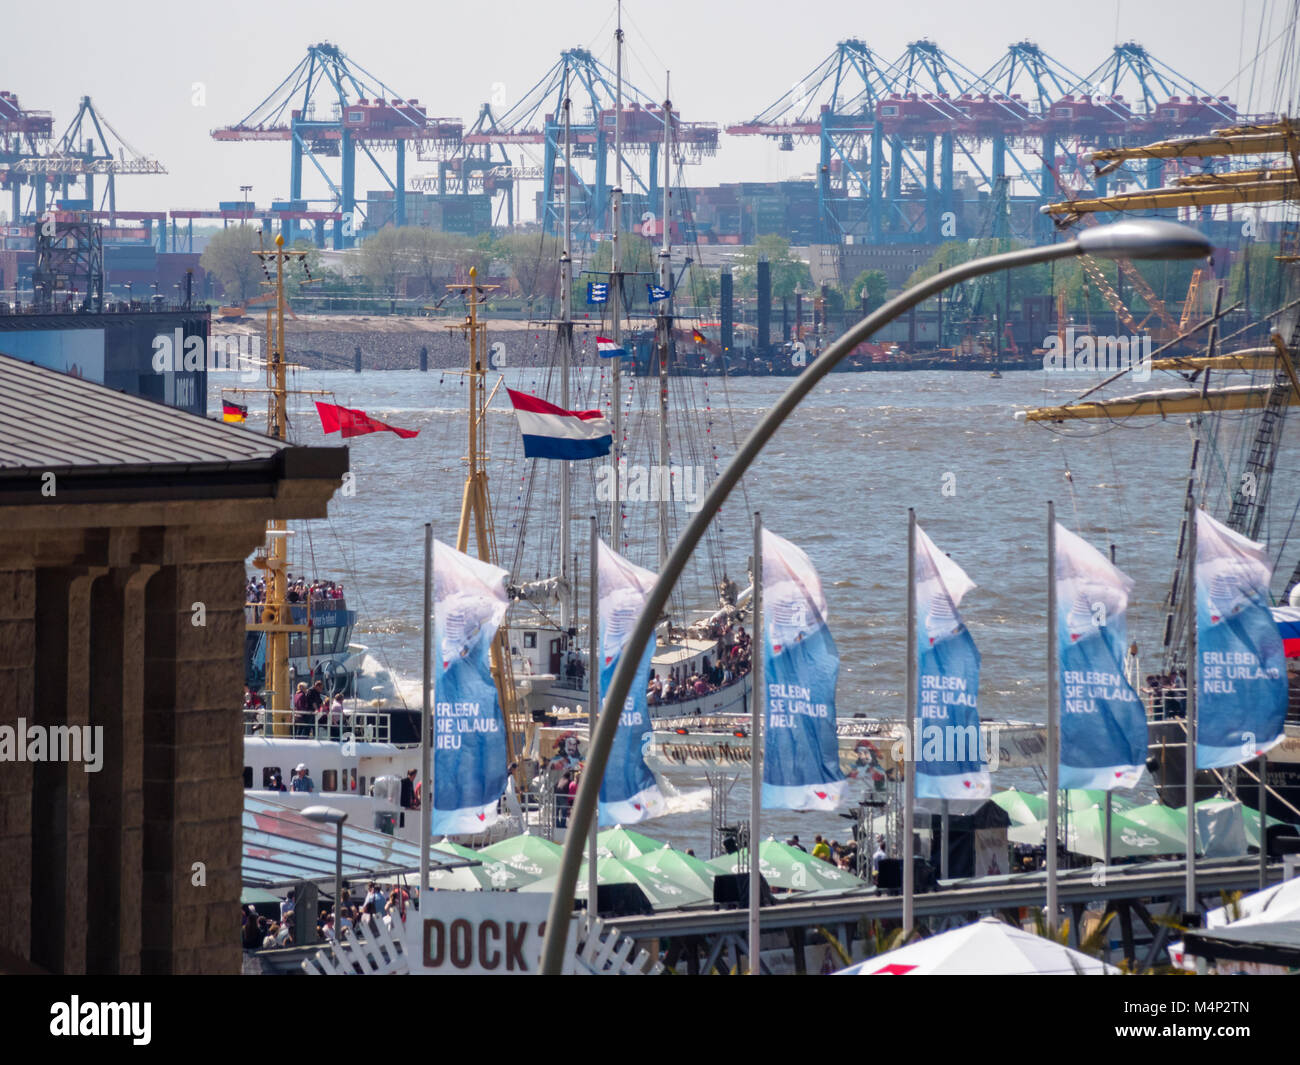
[475, 504]
[277, 618]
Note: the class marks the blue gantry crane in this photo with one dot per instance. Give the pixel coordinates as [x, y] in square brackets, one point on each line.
[536, 119]
[890, 132]
[328, 107]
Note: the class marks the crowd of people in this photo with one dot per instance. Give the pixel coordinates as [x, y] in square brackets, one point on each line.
[734, 646]
[841, 855]
[299, 591]
[314, 712]
[260, 932]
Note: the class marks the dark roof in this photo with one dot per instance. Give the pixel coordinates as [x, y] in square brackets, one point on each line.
[51, 420]
[96, 439]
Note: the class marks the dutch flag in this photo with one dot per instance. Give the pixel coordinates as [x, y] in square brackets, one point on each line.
[550, 432]
[609, 349]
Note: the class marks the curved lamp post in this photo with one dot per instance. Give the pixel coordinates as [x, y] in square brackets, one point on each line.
[1133, 239]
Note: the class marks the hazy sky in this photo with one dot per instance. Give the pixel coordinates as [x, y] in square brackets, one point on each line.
[140, 60]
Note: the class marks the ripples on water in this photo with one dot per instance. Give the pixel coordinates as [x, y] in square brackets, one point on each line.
[837, 479]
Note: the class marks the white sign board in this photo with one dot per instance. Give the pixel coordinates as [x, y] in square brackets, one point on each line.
[485, 933]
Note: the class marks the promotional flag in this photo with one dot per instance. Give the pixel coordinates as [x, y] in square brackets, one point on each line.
[336, 419]
[609, 349]
[801, 765]
[551, 432]
[950, 760]
[655, 294]
[1241, 685]
[1103, 725]
[469, 737]
[233, 412]
[628, 791]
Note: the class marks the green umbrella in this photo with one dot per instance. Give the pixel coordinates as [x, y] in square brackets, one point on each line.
[253, 896]
[1084, 798]
[1022, 807]
[531, 855]
[1086, 834]
[620, 842]
[1164, 820]
[664, 893]
[490, 876]
[683, 869]
[784, 866]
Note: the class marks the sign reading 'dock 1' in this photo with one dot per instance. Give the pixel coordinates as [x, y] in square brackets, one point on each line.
[492, 933]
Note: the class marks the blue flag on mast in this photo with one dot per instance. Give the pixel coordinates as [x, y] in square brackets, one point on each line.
[469, 737]
[801, 765]
[628, 791]
[1241, 685]
[1103, 725]
[950, 760]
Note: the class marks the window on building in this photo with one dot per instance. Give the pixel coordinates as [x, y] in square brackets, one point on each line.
[530, 639]
[271, 771]
[329, 780]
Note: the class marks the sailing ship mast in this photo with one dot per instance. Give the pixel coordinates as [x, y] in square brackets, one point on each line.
[475, 506]
[276, 617]
[664, 338]
[566, 353]
[616, 290]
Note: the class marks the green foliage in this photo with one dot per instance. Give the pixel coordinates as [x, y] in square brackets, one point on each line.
[788, 273]
[871, 283]
[229, 258]
[533, 261]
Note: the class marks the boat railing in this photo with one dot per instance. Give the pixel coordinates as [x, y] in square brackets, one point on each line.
[358, 726]
[1165, 703]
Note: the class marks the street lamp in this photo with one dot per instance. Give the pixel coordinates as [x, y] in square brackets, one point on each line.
[1132, 239]
[328, 815]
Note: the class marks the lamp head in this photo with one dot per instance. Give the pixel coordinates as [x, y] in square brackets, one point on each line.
[1144, 238]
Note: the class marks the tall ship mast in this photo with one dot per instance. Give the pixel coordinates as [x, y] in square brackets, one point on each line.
[1242, 491]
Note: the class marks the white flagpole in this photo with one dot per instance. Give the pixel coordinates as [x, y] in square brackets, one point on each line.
[426, 721]
[1193, 672]
[757, 646]
[1053, 718]
[593, 704]
[910, 736]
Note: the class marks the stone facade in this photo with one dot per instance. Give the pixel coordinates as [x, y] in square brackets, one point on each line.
[134, 868]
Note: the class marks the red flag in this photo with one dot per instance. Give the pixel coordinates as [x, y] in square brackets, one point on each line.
[350, 422]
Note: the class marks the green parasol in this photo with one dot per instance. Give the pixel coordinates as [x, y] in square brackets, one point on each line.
[784, 866]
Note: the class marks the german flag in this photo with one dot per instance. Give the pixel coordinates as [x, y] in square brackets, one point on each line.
[233, 412]
[698, 337]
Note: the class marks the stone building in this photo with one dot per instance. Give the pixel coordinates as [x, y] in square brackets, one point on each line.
[124, 527]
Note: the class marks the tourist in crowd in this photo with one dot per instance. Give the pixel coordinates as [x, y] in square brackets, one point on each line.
[301, 781]
[821, 849]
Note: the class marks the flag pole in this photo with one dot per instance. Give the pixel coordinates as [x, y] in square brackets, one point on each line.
[758, 646]
[426, 721]
[1192, 671]
[1053, 718]
[593, 704]
[1263, 822]
[909, 733]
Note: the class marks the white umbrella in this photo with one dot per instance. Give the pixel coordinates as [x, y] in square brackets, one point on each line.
[988, 947]
[1281, 902]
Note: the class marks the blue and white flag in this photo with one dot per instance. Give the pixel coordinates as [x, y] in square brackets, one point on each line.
[948, 752]
[469, 736]
[1103, 725]
[1241, 691]
[628, 791]
[597, 292]
[655, 294]
[801, 765]
[551, 432]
